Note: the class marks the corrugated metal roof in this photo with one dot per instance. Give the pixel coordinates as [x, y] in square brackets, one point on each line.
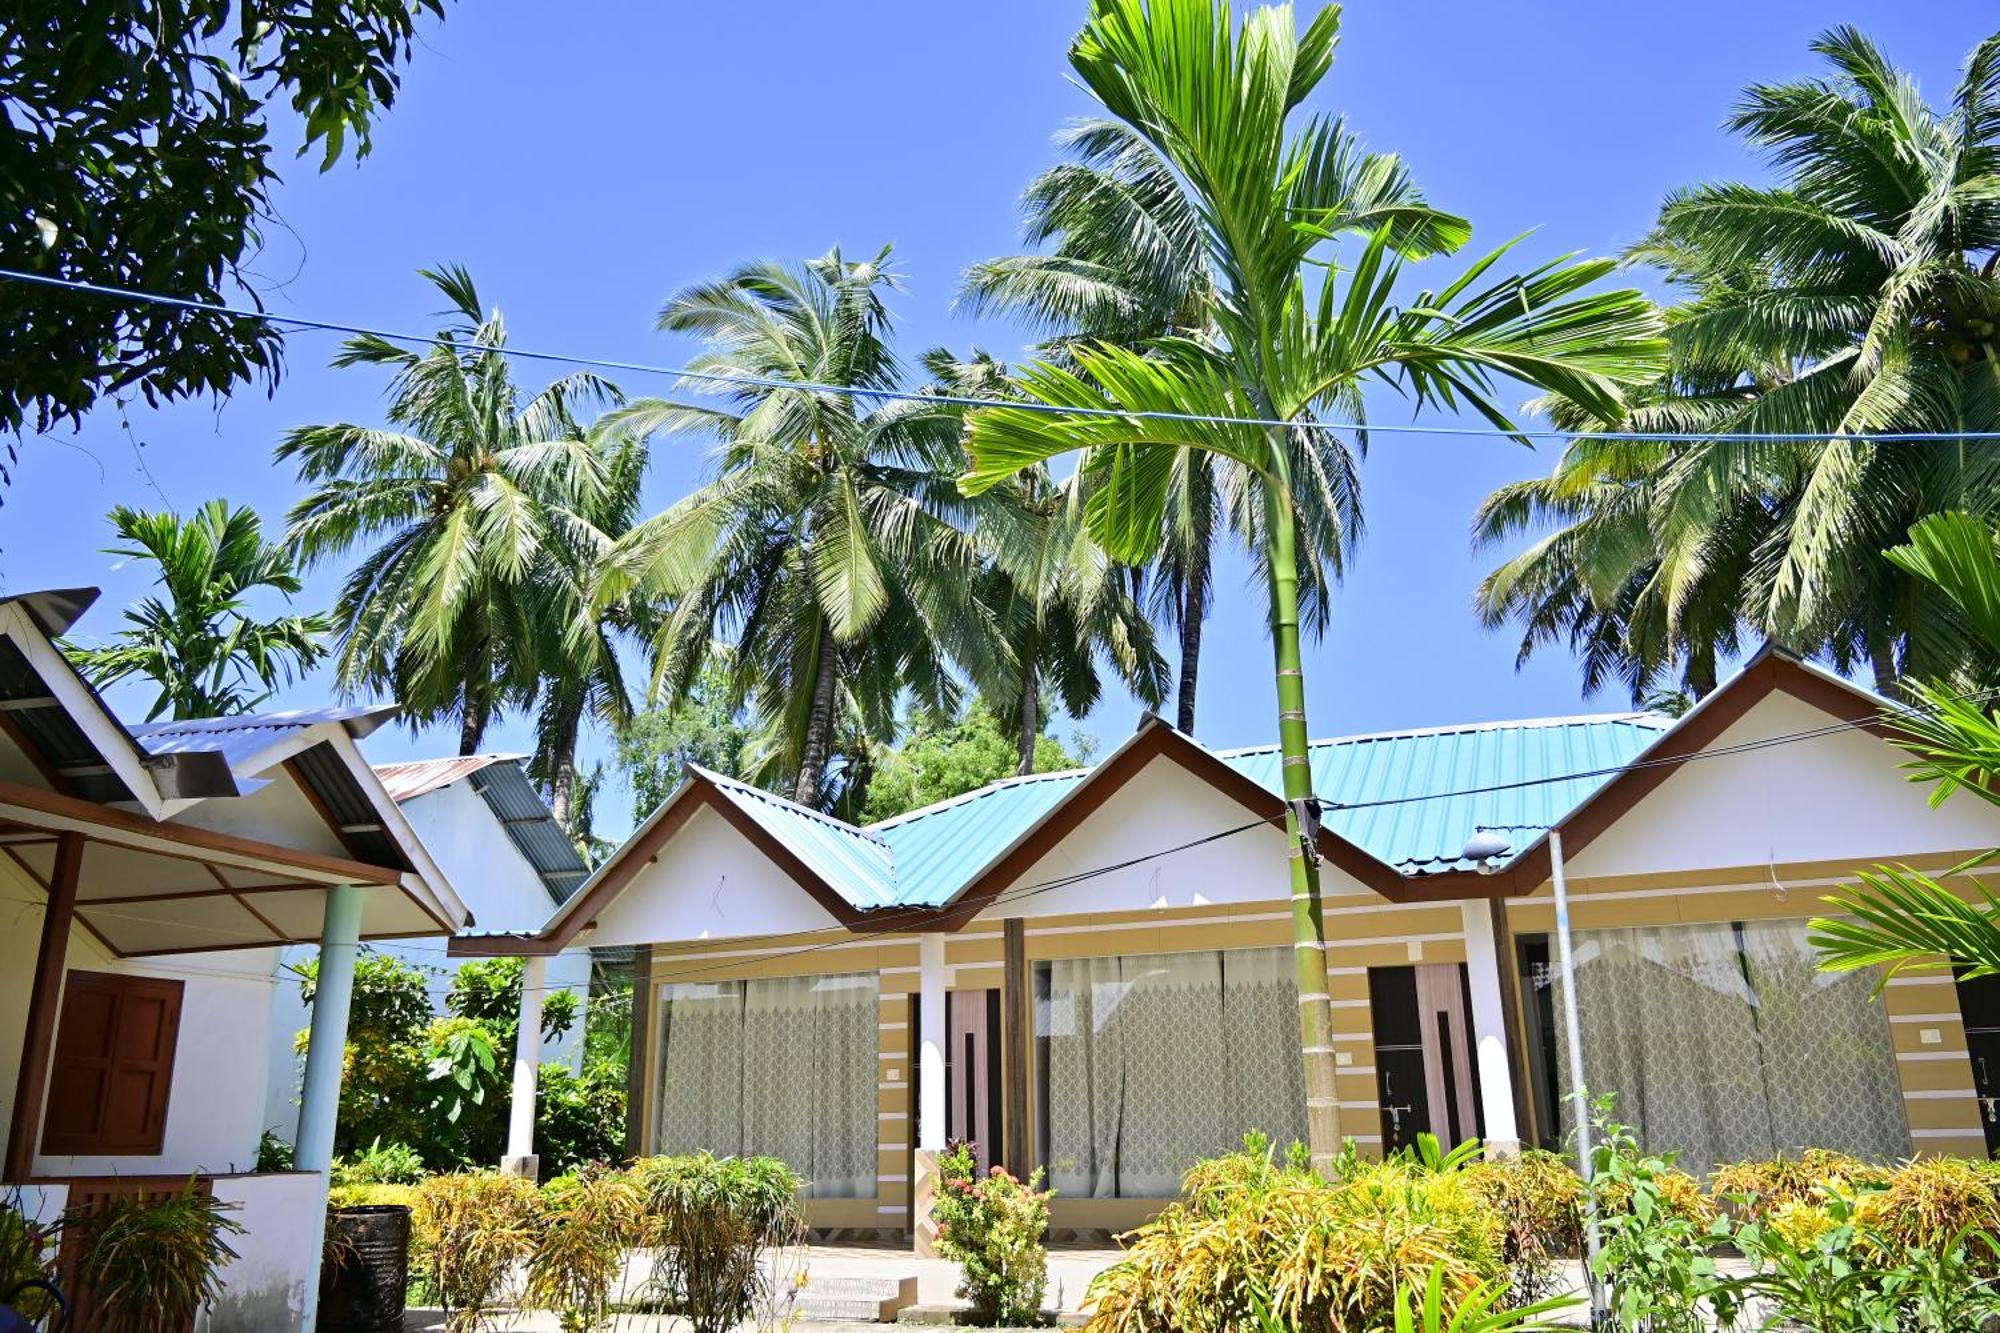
[500, 781]
[407, 781]
[1386, 778]
[856, 863]
[244, 736]
[1391, 783]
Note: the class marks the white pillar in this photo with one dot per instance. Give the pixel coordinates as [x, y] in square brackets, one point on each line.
[326, 1055]
[1493, 1065]
[930, 1086]
[520, 1159]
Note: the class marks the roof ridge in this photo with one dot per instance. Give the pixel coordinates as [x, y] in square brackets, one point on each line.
[1449, 728]
[819, 816]
[999, 784]
[496, 757]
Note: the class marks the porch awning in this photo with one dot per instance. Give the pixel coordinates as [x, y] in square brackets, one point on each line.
[146, 887]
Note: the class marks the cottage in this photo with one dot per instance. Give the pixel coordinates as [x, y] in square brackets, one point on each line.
[1091, 971]
[508, 858]
[151, 875]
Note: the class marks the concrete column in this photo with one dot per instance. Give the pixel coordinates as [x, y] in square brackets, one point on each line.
[1495, 1068]
[520, 1159]
[326, 1054]
[931, 1038]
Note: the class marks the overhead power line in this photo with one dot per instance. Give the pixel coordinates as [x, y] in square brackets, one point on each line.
[732, 380]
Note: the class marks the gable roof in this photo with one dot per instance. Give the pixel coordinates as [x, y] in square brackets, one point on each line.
[952, 858]
[499, 781]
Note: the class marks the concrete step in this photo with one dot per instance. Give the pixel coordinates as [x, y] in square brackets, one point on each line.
[873, 1300]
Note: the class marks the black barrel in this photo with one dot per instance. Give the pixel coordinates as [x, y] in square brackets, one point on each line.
[366, 1275]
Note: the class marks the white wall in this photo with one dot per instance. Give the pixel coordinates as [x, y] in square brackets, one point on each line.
[214, 1109]
[264, 1286]
[709, 882]
[1839, 797]
[1162, 806]
[502, 890]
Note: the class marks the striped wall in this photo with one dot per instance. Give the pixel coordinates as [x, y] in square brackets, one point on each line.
[1362, 933]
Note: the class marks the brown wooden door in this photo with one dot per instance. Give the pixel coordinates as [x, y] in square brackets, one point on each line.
[113, 1066]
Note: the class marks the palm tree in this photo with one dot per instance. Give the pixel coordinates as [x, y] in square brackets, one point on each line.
[1129, 263]
[1858, 295]
[831, 548]
[1059, 606]
[1216, 103]
[460, 507]
[207, 653]
[1896, 917]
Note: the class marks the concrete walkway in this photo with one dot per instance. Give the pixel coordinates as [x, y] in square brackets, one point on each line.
[1070, 1273]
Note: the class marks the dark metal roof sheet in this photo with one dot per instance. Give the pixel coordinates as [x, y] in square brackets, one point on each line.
[503, 784]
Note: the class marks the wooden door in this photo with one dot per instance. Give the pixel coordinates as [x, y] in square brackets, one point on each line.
[88, 1194]
[113, 1066]
[1423, 1054]
[972, 1072]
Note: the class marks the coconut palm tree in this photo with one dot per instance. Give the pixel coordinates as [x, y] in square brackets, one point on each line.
[1860, 294]
[831, 548]
[1059, 606]
[1217, 103]
[459, 507]
[1129, 262]
[199, 643]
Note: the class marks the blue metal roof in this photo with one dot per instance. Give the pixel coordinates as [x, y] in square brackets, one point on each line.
[1390, 785]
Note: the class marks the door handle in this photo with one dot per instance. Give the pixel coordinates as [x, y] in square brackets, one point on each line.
[1396, 1114]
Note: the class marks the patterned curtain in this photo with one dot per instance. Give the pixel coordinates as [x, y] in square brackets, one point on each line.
[1156, 1061]
[1829, 1058]
[782, 1067]
[1723, 1044]
[700, 1105]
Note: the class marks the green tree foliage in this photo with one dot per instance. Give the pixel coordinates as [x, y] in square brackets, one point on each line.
[135, 153]
[441, 1084]
[938, 761]
[1299, 328]
[199, 643]
[478, 515]
[1859, 293]
[702, 726]
[831, 540]
[1895, 917]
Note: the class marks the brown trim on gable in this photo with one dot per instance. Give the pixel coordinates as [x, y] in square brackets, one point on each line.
[1768, 673]
[842, 911]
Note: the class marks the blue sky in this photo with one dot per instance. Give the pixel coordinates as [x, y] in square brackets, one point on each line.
[586, 160]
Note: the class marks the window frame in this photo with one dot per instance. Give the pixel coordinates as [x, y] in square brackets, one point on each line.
[73, 1140]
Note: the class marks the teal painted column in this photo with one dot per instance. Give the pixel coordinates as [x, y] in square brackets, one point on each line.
[326, 1054]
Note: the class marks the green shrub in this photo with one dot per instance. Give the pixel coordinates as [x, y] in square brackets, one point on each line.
[371, 1196]
[150, 1264]
[579, 1118]
[1313, 1254]
[1782, 1180]
[992, 1226]
[1215, 1183]
[27, 1252]
[585, 1224]
[274, 1153]
[708, 1221]
[467, 1232]
[1539, 1198]
[379, 1164]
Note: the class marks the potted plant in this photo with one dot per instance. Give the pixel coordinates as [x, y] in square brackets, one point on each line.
[364, 1275]
[147, 1264]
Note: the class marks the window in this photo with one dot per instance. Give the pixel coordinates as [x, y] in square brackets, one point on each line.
[784, 1067]
[1723, 1043]
[1147, 1064]
[113, 1066]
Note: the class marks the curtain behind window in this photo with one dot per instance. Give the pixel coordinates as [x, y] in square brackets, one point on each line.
[1156, 1061]
[1723, 1044]
[782, 1067]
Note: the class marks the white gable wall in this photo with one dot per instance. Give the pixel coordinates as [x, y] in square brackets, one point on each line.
[1838, 797]
[708, 882]
[1162, 806]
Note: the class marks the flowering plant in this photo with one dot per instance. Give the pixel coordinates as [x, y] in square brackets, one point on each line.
[992, 1226]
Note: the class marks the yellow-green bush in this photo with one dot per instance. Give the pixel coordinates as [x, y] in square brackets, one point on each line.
[1930, 1201]
[369, 1196]
[1539, 1199]
[584, 1225]
[467, 1232]
[1781, 1180]
[1319, 1257]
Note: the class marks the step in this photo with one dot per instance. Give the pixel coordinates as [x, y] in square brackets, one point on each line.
[868, 1300]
